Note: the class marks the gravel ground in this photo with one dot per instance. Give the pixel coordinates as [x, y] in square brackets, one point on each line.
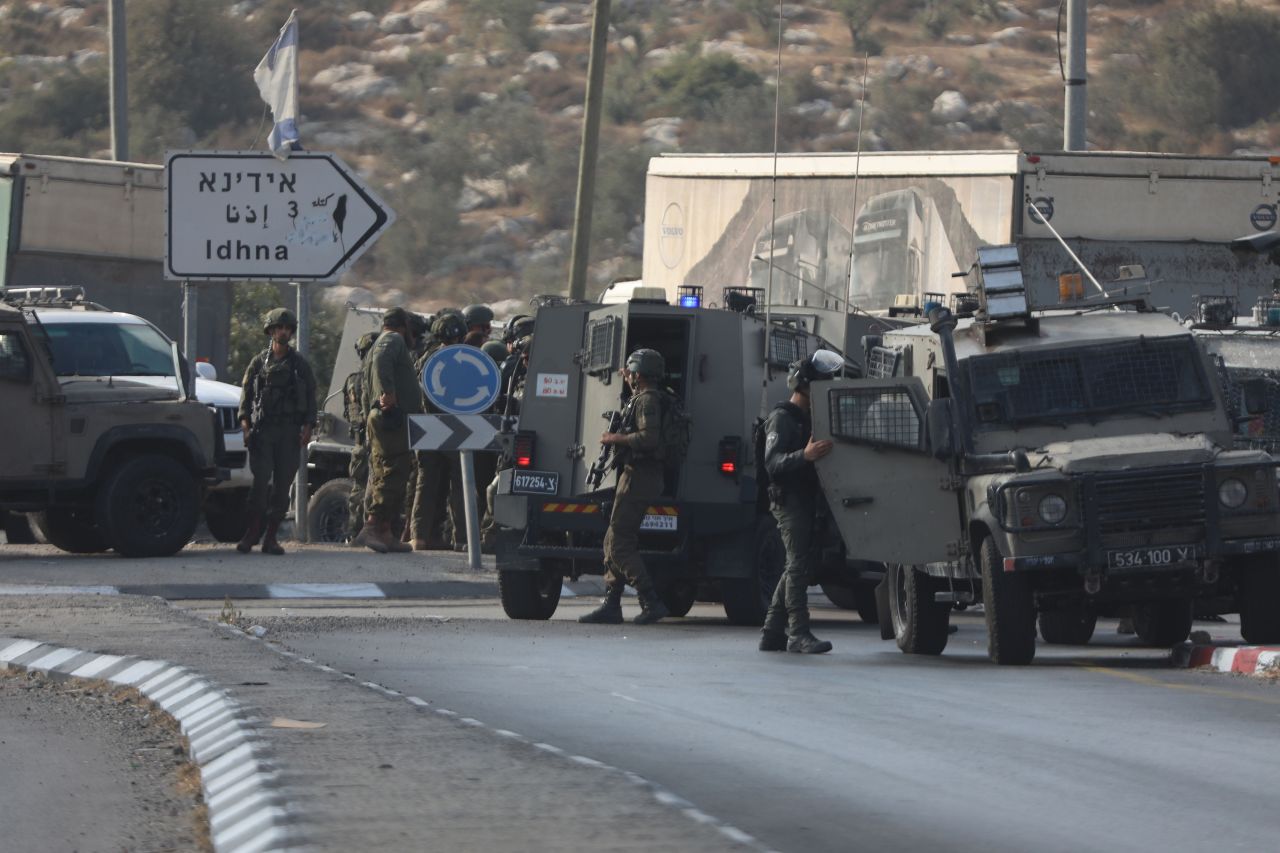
[93, 767]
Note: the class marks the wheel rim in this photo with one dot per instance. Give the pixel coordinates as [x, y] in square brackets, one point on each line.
[899, 597]
[333, 526]
[155, 507]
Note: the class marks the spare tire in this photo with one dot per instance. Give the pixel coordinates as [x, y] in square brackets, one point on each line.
[329, 512]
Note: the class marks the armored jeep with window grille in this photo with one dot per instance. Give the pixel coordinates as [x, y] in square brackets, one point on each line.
[1054, 465]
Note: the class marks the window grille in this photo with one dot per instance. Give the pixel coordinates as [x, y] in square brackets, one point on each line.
[883, 363]
[602, 345]
[786, 347]
[875, 415]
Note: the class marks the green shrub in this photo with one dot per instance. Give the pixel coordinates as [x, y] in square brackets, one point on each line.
[693, 83]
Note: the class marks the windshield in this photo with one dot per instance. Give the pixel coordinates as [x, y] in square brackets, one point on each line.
[1151, 376]
[880, 271]
[108, 349]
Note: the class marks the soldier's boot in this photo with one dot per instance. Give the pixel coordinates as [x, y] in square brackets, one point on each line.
[251, 534]
[773, 638]
[804, 643]
[651, 608]
[270, 545]
[370, 536]
[394, 543]
[610, 610]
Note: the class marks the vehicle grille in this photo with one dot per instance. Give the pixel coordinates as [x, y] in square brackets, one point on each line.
[1151, 501]
[227, 414]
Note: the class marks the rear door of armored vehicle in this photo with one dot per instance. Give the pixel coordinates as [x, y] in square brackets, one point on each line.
[29, 391]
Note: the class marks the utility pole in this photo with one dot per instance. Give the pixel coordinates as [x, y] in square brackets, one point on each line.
[1073, 125]
[588, 151]
[119, 81]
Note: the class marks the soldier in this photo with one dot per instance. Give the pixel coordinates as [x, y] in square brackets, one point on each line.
[393, 395]
[508, 403]
[439, 474]
[795, 499]
[420, 325]
[479, 318]
[277, 414]
[355, 405]
[639, 452]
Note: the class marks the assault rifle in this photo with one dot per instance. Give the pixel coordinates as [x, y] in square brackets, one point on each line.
[601, 466]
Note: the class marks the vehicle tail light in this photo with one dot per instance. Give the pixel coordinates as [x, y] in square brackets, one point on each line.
[729, 454]
[523, 449]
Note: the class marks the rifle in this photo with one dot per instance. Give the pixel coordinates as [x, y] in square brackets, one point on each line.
[601, 465]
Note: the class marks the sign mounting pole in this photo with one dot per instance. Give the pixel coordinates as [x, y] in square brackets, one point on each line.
[300, 496]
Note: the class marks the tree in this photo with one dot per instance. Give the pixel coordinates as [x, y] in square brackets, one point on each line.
[857, 14]
[694, 83]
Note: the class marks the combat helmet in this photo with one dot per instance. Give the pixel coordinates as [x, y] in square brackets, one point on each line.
[448, 328]
[496, 350]
[364, 343]
[517, 327]
[647, 363]
[823, 364]
[477, 315]
[278, 317]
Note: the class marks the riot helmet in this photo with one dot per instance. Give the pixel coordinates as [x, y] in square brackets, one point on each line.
[278, 317]
[647, 363]
[823, 364]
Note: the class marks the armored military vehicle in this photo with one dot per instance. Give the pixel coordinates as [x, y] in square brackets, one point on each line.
[1051, 463]
[105, 462]
[711, 536]
[1247, 349]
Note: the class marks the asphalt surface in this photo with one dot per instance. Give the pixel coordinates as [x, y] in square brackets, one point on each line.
[1103, 747]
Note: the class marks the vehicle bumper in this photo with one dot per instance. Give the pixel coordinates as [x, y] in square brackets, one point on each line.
[1084, 562]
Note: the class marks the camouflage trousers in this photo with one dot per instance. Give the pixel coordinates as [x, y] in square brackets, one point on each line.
[358, 471]
[274, 455]
[438, 488]
[789, 610]
[638, 487]
[390, 463]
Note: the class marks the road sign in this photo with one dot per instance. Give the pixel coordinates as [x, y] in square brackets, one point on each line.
[245, 215]
[461, 380]
[454, 432]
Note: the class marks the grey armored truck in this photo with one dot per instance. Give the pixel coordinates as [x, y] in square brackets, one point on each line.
[107, 463]
[1054, 465]
[711, 536]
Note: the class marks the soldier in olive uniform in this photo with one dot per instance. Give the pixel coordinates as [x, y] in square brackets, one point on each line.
[640, 454]
[277, 414]
[439, 484]
[355, 405]
[393, 396]
[479, 318]
[795, 498]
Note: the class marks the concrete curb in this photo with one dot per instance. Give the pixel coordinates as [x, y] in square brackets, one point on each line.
[1246, 660]
[247, 807]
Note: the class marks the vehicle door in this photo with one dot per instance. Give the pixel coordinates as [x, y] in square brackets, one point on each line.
[31, 401]
[891, 500]
[602, 389]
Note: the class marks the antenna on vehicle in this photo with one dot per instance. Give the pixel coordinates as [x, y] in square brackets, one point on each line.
[853, 241]
[773, 220]
[1038, 218]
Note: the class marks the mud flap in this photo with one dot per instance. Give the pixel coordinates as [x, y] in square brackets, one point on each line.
[882, 608]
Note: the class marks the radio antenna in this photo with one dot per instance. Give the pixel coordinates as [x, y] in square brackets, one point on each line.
[853, 239]
[773, 219]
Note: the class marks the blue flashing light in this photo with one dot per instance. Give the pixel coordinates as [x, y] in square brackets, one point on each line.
[691, 301]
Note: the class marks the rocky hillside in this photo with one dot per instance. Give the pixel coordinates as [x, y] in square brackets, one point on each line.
[467, 112]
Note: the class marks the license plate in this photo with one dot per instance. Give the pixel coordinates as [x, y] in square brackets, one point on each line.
[658, 522]
[1154, 557]
[535, 483]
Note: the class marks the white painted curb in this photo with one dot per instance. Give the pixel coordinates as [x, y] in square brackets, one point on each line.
[248, 810]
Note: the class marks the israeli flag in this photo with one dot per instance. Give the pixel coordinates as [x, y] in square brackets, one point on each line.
[277, 79]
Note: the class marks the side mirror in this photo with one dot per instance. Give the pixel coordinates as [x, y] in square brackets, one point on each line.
[1254, 395]
[939, 425]
[205, 370]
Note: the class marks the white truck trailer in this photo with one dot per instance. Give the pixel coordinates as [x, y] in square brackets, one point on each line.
[891, 227]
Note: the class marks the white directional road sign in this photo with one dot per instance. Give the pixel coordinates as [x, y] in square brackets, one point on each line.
[461, 380]
[454, 432]
[245, 215]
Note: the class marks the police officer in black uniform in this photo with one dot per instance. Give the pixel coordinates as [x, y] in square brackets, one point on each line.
[795, 499]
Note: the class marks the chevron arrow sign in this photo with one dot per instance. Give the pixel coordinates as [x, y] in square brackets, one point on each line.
[454, 432]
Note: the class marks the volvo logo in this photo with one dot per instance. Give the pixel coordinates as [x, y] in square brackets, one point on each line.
[671, 236]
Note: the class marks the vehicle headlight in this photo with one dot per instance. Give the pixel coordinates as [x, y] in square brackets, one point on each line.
[1053, 509]
[1232, 493]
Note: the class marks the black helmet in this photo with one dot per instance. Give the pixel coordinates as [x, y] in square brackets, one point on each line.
[419, 325]
[496, 350]
[823, 364]
[449, 328]
[647, 363]
[477, 315]
[517, 327]
[278, 317]
[364, 343]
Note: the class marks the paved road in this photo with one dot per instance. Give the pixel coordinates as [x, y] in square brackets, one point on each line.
[1104, 748]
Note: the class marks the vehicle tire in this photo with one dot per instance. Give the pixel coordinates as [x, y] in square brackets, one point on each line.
[1009, 605]
[148, 506]
[17, 529]
[746, 600]
[532, 594]
[1071, 625]
[678, 594]
[226, 514]
[1259, 600]
[71, 530]
[1162, 623]
[920, 624]
[329, 513]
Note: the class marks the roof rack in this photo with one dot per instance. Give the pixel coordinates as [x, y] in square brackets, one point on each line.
[59, 296]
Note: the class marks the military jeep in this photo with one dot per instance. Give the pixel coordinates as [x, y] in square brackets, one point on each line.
[105, 462]
[1057, 464]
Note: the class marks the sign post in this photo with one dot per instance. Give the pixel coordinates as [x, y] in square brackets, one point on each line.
[462, 381]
